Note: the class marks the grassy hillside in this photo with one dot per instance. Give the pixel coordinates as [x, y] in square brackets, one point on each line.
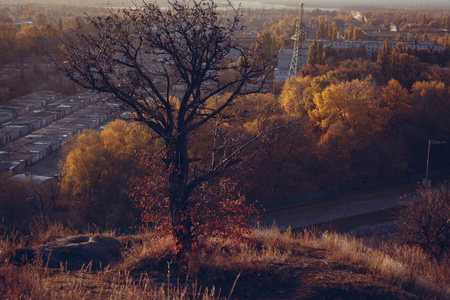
[270, 265]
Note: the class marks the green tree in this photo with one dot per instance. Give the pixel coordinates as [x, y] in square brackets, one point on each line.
[334, 34]
[362, 51]
[409, 69]
[318, 84]
[60, 23]
[41, 19]
[267, 45]
[429, 105]
[320, 54]
[424, 20]
[399, 37]
[322, 32]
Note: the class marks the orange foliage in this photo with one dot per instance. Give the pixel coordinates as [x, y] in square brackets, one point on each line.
[395, 96]
[215, 209]
[349, 109]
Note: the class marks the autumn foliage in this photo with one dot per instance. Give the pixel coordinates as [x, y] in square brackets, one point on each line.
[217, 208]
[96, 170]
[426, 223]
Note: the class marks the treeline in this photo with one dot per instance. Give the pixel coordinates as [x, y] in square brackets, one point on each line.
[35, 36]
[42, 13]
[30, 41]
[354, 124]
[351, 25]
[338, 122]
[401, 62]
[335, 126]
[29, 35]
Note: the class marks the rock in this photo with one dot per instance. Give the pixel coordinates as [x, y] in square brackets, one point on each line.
[76, 252]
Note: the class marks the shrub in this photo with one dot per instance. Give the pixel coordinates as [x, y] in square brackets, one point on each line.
[426, 223]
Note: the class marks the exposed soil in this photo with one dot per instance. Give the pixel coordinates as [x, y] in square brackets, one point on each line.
[310, 275]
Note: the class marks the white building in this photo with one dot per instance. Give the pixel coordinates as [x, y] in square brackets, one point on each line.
[285, 55]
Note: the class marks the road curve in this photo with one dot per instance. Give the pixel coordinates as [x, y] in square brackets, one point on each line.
[340, 211]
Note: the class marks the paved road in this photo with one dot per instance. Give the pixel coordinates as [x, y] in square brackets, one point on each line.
[48, 166]
[339, 212]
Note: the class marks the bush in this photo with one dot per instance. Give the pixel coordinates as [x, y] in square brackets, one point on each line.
[16, 209]
[427, 222]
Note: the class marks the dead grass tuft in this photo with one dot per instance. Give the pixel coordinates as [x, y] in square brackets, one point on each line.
[408, 268]
[269, 261]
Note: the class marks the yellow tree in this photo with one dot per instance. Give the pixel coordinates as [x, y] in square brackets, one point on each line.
[318, 84]
[383, 60]
[96, 169]
[347, 116]
[349, 109]
[430, 106]
[395, 96]
[291, 98]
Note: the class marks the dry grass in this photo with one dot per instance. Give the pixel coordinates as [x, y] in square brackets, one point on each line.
[406, 266]
[268, 246]
[273, 265]
[31, 282]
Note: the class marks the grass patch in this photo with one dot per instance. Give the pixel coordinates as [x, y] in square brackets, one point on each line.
[271, 265]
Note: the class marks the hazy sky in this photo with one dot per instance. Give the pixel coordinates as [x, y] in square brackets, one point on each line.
[341, 3]
[442, 5]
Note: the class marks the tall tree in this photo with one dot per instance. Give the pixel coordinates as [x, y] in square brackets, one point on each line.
[348, 34]
[313, 53]
[165, 65]
[320, 54]
[384, 58]
[334, 34]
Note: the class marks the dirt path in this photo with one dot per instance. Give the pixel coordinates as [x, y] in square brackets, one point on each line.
[48, 166]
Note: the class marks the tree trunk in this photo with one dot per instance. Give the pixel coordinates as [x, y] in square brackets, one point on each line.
[178, 163]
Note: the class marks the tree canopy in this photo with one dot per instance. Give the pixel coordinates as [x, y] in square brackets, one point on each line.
[97, 169]
[165, 64]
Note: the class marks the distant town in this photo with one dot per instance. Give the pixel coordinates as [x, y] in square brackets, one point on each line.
[34, 125]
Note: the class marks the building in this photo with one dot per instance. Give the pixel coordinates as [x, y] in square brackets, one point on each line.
[372, 47]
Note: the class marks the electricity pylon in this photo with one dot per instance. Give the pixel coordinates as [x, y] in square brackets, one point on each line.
[299, 38]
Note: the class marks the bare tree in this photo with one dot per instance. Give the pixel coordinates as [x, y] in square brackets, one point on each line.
[165, 64]
[426, 223]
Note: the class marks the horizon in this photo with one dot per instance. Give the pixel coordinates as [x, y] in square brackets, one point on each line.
[271, 4]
